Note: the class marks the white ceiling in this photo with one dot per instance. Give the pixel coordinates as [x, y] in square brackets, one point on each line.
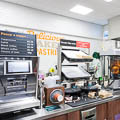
[102, 10]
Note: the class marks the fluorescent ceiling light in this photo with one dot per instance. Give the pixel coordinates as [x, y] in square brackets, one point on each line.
[81, 10]
[108, 0]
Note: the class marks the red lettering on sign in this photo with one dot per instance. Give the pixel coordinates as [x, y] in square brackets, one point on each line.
[82, 44]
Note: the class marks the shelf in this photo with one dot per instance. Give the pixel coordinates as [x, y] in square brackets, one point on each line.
[73, 72]
[76, 56]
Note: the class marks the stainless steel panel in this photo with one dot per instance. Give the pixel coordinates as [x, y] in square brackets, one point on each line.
[42, 114]
[19, 105]
[14, 94]
[89, 114]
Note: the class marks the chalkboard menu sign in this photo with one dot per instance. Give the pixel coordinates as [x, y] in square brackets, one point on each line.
[17, 44]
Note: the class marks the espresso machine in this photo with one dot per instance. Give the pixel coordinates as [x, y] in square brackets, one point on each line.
[18, 71]
[18, 84]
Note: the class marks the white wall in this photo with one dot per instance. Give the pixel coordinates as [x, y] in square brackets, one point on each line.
[108, 43]
[20, 19]
[106, 27]
[48, 61]
[114, 27]
[15, 15]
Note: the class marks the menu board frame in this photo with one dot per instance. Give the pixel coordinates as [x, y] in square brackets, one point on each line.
[17, 44]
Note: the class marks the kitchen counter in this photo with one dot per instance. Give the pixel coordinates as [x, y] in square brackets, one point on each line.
[41, 114]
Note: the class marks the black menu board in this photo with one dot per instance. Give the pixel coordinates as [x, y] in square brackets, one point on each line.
[17, 44]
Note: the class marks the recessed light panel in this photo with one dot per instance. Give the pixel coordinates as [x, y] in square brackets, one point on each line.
[81, 10]
[108, 0]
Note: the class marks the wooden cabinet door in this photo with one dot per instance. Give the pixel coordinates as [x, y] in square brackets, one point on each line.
[113, 109]
[61, 117]
[74, 115]
[70, 116]
[101, 112]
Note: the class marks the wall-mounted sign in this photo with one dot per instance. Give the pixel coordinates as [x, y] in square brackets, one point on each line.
[105, 35]
[82, 44]
[17, 44]
[47, 43]
[64, 42]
